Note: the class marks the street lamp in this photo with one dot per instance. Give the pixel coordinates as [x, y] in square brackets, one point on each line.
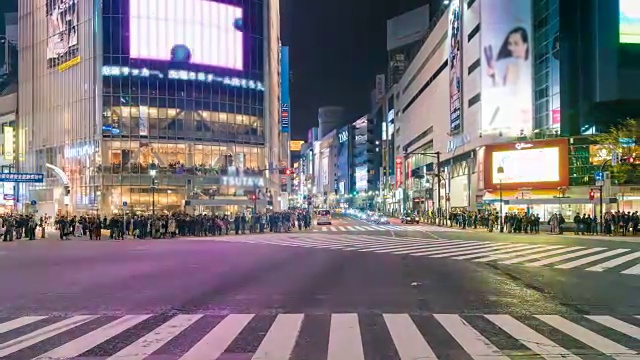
[500, 173]
[153, 171]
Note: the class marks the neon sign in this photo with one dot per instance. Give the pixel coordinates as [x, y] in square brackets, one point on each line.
[242, 181]
[343, 136]
[117, 71]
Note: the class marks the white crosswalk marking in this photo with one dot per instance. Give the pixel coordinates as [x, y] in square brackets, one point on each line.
[16, 323]
[42, 334]
[151, 342]
[476, 345]
[534, 341]
[344, 338]
[594, 340]
[343, 341]
[281, 338]
[352, 228]
[408, 340]
[535, 255]
[212, 345]
[94, 338]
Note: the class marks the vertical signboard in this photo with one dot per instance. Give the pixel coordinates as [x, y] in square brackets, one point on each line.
[284, 89]
[455, 67]
[380, 87]
[398, 171]
[8, 143]
[62, 33]
[506, 36]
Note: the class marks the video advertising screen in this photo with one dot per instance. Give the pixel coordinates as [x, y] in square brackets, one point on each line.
[62, 31]
[201, 32]
[517, 168]
[630, 21]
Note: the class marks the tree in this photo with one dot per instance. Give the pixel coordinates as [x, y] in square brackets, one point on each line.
[623, 139]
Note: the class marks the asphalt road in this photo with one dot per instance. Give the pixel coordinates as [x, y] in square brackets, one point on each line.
[343, 294]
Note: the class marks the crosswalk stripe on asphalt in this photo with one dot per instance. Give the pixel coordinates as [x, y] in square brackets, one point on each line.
[362, 228]
[611, 336]
[536, 255]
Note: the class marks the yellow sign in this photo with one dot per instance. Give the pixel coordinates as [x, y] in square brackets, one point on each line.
[295, 145]
[8, 143]
[69, 64]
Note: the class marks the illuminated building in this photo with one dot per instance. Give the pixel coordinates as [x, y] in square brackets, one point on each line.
[106, 92]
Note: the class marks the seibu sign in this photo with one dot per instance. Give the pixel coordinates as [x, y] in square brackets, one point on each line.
[242, 181]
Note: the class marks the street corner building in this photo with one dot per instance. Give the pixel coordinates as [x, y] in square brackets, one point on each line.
[125, 100]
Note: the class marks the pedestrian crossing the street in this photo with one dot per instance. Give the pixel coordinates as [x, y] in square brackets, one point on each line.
[340, 336]
[597, 259]
[353, 228]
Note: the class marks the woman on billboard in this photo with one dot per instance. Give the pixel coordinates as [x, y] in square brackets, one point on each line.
[510, 74]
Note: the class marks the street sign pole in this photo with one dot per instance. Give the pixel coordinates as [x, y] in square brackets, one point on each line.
[124, 218]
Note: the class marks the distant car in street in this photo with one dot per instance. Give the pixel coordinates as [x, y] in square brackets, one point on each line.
[410, 218]
[382, 220]
[324, 217]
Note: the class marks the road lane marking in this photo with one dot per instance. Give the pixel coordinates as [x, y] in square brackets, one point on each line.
[453, 249]
[153, 341]
[559, 258]
[281, 338]
[443, 245]
[632, 271]
[212, 345]
[594, 340]
[591, 259]
[615, 262]
[479, 249]
[409, 342]
[617, 325]
[476, 345]
[42, 334]
[86, 342]
[541, 255]
[345, 341]
[514, 248]
[525, 252]
[20, 322]
[531, 339]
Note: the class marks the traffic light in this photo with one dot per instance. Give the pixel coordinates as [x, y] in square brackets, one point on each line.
[592, 195]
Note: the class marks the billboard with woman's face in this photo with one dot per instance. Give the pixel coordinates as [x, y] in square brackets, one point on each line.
[507, 82]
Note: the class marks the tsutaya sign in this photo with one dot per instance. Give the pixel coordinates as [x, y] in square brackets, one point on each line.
[521, 146]
[254, 181]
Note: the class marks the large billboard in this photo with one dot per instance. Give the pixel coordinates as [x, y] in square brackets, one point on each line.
[518, 165]
[186, 31]
[507, 84]
[407, 28]
[455, 67]
[630, 21]
[62, 31]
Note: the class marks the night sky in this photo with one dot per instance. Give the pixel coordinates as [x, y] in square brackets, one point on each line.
[336, 49]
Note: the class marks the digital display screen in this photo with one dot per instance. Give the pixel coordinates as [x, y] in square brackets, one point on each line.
[198, 32]
[62, 31]
[630, 21]
[519, 165]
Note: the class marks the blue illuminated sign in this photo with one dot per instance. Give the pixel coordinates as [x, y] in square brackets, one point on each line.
[285, 111]
[124, 71]
[22, 177]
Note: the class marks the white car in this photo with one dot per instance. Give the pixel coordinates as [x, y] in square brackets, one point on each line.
[324, 217]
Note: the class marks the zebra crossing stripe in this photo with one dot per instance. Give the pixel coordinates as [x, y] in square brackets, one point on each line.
[617, 325]
[565, 257]
[447, 249]
[345, 340]
[474, 250]
[442, 245]
[148, 344]
[94, 338]
[537, 256]
[518, 253]
[407, 338]
[615, 262]
[534, 341]
[42, 334]
[217, 340]
[281, 338]
[516, 247]
[632, 271]
[14, 324]
[476, 345]
[594, 340]
[590, 259]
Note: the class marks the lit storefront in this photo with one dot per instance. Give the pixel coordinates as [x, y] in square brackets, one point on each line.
[534, 177]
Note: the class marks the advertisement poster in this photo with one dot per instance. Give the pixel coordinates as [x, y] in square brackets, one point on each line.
[630, 21]
[285, 111]
[62, 31]
[455, 66]
[507, 85]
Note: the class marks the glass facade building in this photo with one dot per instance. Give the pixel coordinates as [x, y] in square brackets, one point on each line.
[115, 88]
